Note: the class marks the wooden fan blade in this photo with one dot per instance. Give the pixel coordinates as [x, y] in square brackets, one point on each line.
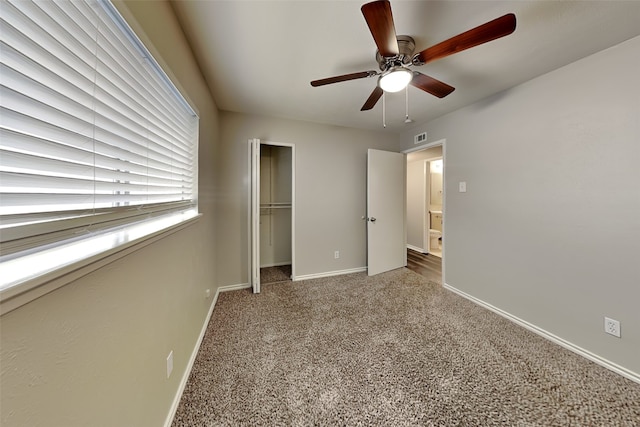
[380, 21]
[373, 98]
[343, 78]
[484, 33]
[429, 84]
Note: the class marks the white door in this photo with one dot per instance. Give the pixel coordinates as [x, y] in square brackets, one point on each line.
[386, 235]
[254, 274]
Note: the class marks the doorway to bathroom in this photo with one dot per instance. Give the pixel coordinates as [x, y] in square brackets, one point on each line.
[425, 209]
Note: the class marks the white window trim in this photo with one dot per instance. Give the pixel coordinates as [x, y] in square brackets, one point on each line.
[78, 262]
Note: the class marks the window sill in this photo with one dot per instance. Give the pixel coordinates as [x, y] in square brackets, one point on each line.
[53, 268]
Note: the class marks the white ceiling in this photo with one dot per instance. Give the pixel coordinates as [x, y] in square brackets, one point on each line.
[259, 56]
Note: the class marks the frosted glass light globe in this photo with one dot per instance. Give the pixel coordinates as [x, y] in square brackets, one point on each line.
[395, 79]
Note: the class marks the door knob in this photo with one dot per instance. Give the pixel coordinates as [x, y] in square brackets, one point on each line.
[372, 219]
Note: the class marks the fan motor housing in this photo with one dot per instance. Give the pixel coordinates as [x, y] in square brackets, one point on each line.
[406, 46]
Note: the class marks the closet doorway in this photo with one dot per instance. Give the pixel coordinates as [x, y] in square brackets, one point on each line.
[272, 212]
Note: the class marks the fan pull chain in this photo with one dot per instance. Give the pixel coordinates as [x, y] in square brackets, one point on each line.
[407, 119]
[406, 103]
[384, 110]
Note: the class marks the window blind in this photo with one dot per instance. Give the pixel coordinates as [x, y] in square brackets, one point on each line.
[93, 134]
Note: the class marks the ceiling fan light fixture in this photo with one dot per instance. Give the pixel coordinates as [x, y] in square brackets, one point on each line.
[396, 79]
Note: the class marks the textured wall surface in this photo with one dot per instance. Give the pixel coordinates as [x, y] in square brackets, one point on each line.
[544, 163]
[93, 353]
[330, 192]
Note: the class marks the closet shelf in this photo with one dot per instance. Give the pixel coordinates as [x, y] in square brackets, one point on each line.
[275, 206]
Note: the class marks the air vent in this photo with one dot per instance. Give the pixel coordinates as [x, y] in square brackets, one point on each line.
[420, 138]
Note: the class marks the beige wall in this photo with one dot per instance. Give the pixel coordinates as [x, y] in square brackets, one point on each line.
[416, 205]
[330, 192]
[93, 353]
[545, 162]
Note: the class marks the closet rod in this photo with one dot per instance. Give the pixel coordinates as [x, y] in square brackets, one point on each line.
[275, 207]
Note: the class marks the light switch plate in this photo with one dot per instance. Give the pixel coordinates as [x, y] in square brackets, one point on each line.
[462, 186]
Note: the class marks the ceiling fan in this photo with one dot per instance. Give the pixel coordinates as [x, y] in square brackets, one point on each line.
[395, 53]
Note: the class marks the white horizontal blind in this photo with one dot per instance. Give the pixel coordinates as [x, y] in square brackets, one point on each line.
[92, 132]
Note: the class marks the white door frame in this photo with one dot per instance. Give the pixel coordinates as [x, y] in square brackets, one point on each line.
[426, 218]
[254, 209]
[443, 143]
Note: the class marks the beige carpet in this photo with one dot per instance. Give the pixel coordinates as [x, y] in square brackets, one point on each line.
[393, 350]
[281, 273]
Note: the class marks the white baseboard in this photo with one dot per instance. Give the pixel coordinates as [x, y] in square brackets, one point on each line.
[231, 288]
[329, 274]
[194, 353]
[417, 249]
[633, 376]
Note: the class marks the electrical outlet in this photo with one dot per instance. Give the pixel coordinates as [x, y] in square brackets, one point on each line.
[207, 293]
[169, 363]
[336, 254]
[612, 327]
